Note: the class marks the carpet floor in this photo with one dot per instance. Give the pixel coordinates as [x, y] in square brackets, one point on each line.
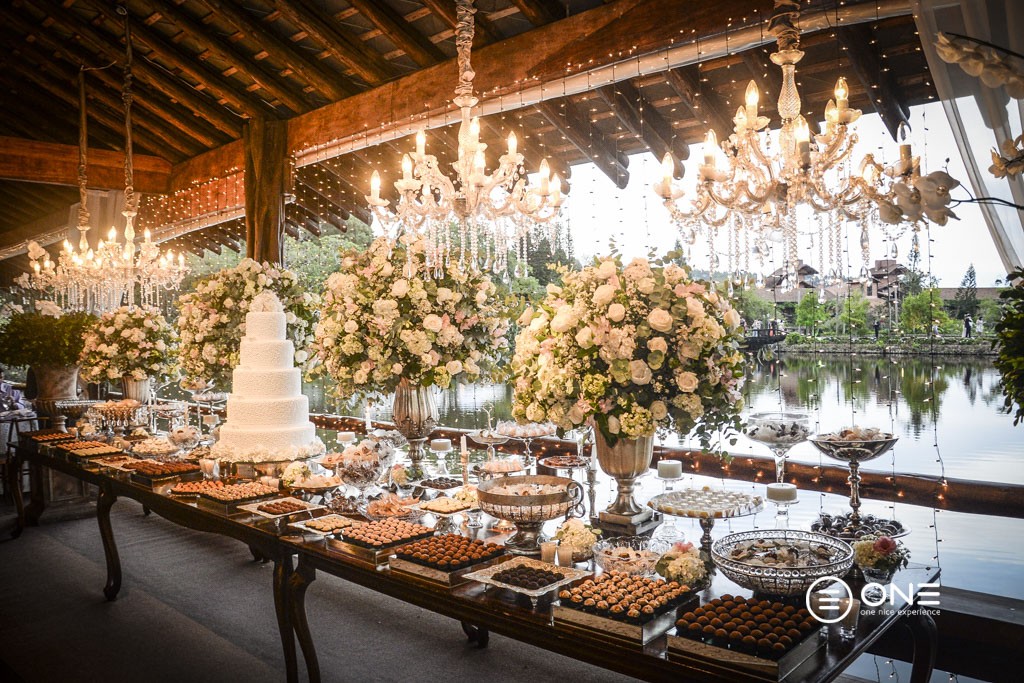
[195, 607]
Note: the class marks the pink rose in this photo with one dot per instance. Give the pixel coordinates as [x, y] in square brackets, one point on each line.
[682, 547]
[885, 546]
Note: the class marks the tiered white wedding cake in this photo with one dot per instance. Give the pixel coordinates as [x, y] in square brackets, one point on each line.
[268, 417]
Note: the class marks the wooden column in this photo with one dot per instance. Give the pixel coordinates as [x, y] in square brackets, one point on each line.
[266, 178]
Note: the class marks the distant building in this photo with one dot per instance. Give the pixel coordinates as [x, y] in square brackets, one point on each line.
[885, 279]
[804, 278]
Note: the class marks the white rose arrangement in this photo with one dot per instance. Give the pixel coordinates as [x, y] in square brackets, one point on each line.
[682, 563]
[387, 316]
[635, 348]
[211, 319]
[578, 535]
[136, 342]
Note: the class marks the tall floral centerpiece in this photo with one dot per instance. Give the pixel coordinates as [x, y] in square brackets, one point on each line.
[211, 321]
[634, 349]
[133, 344]
[50, 342]
[391, 324]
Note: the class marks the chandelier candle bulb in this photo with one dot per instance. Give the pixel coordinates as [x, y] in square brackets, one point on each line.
[751, 99]
[545, 178]
[421, 144]
[513, 144]
[375, 186]
[670, 469]
[842, 95]
[710, 143]
[406, 167]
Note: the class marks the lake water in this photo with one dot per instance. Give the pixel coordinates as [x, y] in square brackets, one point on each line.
[947, 414]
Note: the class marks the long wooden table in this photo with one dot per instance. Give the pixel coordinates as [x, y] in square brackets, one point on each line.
[480, 612]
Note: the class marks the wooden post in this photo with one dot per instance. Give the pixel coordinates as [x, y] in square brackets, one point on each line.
[266, 176]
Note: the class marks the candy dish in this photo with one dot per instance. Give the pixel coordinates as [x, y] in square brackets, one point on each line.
[631, 555]
[780, 561]
[487, 577]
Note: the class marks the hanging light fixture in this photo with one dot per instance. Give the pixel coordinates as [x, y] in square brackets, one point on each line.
[102, 279]
[752, 185]
[475, 218]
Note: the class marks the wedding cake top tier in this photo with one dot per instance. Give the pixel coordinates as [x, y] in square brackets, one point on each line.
[268, 417]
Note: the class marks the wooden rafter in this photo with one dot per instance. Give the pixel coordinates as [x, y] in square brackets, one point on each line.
[702, 103]
[203, 107]
[765, 74]
[643, 120]
[577, 129]
[184, 121]
[333, 85]
[885, 96]
[47, 162]
[142, 117]
[306, 216]
[309, 196]
[346, 47]
[271, 81]
[224, 88]
[358, 208]
[399, 32]
[486, 32]
[537, 12]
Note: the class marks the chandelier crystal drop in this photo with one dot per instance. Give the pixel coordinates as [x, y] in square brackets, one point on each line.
[474, 219]
[111, 275]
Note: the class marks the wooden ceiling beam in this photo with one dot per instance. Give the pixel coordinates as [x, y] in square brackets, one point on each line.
[358, 208]
[309, 195]
[486, 31]
[765, 74]
[220, 117]
[643, 120]
[347, 48]
[292, 228]
[227, 240]
[47, 162]
[59, 125]
[269, 80]
[184, 121]
[334, 86]
[537, 12]
[886, 97]
[100, 114]
[398, 31]
[703, 103]
[577, 129]
[212, 81]
[141, 118]
[306, 216]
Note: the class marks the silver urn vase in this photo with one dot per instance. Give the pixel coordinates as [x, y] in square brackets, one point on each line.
[55, 383]
[138, 389]
[624, 462]
[415, 416]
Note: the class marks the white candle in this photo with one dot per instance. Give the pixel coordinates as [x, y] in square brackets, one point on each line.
[440, 444]
[346, 437]
[465, 447]
[782, 493]
[564, 553]
[369, 419]
[670, 469]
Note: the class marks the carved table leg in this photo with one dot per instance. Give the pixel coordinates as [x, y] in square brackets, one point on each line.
[36, 506]
[926, 641]
[297, 586]
[103, 504]
[282, 572]
[476, 634]
[14, 484]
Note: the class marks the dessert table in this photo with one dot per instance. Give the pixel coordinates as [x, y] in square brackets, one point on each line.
[480, 611]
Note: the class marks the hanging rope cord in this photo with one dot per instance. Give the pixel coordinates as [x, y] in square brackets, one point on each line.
[130, 198]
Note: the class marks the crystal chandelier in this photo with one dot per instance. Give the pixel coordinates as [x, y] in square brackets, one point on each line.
[110, 276]
[475, 218]
[752, 185]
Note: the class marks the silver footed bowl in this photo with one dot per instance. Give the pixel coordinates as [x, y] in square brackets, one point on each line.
[780, 579]
[529, 509]
[854, 451]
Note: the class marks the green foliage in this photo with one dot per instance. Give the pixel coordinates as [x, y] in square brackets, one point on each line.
[36, 339]
[811, 312]
[989, 310]
[920, 311]
[850, 314]
[1010, 343]
[751, 306]
[543, 262]
[314, 259]
[966, 301]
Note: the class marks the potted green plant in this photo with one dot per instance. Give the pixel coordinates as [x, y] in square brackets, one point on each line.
[50, 345]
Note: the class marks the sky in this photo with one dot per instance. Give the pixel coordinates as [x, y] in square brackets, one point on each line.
[598, 212]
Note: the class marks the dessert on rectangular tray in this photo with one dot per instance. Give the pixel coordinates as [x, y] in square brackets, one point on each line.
[445, 505]
[234, 493]
[619, 596]
[385, 533]
[449, 552]
[328, 524]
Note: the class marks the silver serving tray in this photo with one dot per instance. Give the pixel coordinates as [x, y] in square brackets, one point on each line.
[723, 660]
[637, 635]
[308, 530]
[254, 508]
[486, 577]
[437, 577]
